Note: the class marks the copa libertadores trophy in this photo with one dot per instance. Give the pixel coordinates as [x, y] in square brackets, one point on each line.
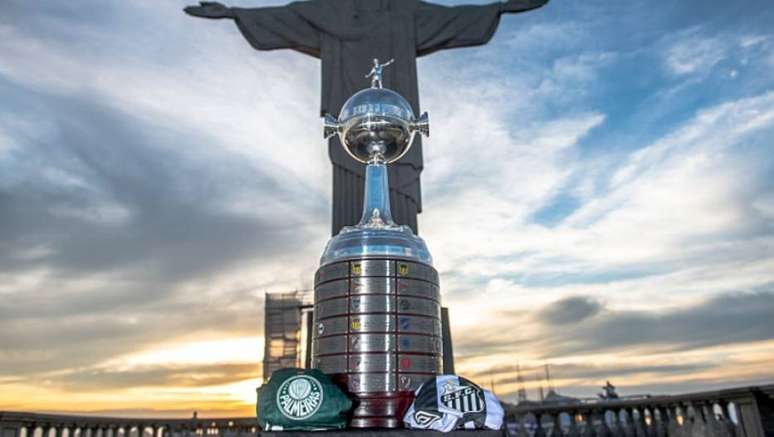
[377, 301]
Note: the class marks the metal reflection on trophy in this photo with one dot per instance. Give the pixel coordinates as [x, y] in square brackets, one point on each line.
[377, 300]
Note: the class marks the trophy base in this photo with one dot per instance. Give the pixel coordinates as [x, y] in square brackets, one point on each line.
[378, 334]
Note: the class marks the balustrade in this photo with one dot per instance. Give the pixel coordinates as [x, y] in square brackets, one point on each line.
[739, 412]
[16, 424]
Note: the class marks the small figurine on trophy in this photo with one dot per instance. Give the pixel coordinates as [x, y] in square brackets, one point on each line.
[377, 302]
[376, 73]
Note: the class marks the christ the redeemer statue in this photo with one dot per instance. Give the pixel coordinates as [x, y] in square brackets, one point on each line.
[345, 35]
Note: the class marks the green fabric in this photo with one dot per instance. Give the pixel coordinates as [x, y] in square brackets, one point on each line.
[301, 400]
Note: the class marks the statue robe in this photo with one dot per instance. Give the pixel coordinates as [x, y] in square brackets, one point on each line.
[346, 35]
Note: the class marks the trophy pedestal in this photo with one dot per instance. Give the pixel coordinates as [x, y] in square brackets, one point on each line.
[378, 333]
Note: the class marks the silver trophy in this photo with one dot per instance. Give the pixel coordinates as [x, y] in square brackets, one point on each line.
[377, 300]
[376, 126]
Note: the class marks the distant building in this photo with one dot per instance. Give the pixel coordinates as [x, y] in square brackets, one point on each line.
[284, 331]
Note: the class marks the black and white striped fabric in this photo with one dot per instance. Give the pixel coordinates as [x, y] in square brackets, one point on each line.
[449, 402]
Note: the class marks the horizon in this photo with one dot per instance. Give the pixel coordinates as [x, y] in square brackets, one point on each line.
[598, 195]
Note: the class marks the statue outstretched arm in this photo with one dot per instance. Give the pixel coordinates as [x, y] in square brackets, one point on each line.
[440, 27]
[210, 10]
[515, 6]
[269, 28]
[445, 27]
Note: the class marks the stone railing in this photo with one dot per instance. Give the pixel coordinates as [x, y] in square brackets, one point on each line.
[738, 412]
[17, 424]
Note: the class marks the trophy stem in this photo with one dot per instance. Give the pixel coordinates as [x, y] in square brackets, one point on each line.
[376, 205]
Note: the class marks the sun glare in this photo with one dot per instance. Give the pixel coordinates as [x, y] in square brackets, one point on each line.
[228, 350]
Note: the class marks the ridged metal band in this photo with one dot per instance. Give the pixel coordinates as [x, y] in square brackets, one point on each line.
[372, 323]
[330, 345]
[419, 325]
[333, 307]
[416, 271]
[329, 290]
[372, 343]
[371, 382]
[380, 363]
[419, 363]
[372, 362]
[419, 343]
[375, 267]
[331, 364]
[331, 272]
[378, 303]
[373, 285]
[417, 306]
[418, 288]
[375, 422]
[334, 326]
[376, 407]
[411, 381]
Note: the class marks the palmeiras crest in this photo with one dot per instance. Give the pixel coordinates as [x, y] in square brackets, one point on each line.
[299, 397]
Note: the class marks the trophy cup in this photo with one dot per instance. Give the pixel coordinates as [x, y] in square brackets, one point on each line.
[377, 300]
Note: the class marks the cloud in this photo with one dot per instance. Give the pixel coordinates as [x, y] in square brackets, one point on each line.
[673, 200]
[726, 319]
[581, 325]
[112, 236]
[110, 189]
[652, 228]
[104, 380]
[135, 193]
[570, 310]
[695, 54]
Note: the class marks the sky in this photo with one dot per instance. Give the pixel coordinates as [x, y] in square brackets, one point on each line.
[598, 195]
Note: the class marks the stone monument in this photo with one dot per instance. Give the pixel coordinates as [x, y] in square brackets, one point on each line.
[341, 33]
